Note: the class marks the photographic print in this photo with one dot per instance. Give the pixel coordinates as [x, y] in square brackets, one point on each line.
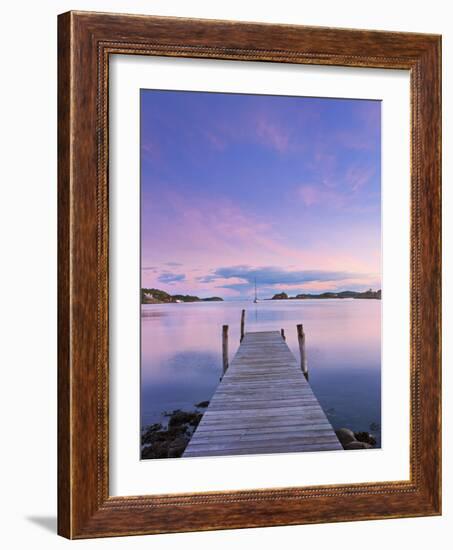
[260, 274]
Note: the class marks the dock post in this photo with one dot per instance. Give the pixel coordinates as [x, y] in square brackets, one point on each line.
[242, 324]
[282, 332]
[303, 357]
[225, 348]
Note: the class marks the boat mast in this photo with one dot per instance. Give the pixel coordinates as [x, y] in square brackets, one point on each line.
[256, 297]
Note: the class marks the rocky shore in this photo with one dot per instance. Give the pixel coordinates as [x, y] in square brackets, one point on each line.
[158, 441]
[156, 296]
[355, 440]
[170, 441]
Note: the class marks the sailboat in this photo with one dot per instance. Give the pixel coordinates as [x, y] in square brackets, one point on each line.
[255, 301]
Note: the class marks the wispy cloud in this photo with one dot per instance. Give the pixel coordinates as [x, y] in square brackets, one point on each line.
[312, 194]
[170, 278]
[201, 232]
[270, 279]
[258, 127]
[357, 177]
[215, 138]
[270, 275]
[151, 150]
[271, 134]
[338, 190]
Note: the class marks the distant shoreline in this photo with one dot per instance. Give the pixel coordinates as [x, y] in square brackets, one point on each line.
[366, 295]
[156, 296]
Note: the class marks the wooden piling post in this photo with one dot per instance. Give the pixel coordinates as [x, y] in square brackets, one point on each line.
[303, 357]
[225, 347]
[242, 324]
[282, 332]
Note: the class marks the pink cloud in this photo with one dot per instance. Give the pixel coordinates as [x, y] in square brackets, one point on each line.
[328, 192]
[151, 150]
[356, 177]
[272, 135]
[216, 140]
[203, 234]
[258, 127]
[312, 194]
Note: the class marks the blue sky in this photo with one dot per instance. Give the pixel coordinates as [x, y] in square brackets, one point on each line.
[284, 189]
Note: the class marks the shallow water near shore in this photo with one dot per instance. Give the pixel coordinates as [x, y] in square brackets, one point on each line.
[182, 353]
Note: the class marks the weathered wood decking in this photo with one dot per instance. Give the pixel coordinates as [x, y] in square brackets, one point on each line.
[263, 404]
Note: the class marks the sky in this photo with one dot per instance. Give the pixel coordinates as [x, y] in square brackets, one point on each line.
[235, 187]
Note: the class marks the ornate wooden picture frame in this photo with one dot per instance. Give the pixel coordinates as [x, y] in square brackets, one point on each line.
[85, 42]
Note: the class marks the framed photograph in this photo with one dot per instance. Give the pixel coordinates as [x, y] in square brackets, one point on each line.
[249, 275]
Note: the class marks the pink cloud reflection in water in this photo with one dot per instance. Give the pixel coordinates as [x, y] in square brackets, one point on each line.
[181, 353]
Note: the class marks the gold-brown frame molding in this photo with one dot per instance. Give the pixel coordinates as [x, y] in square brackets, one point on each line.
[85, 42]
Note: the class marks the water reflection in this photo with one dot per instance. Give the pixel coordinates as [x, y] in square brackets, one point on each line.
[182, 363]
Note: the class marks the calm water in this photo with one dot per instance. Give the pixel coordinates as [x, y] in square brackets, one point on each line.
[182, 363]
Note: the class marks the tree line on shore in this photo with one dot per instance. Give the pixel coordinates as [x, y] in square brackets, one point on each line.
[156, 296]
[368, 294]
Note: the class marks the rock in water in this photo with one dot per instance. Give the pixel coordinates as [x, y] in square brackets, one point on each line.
[179, 418]
[353, 445]
[345, 436]
[365, 437]
[177, 447]
[158, 449]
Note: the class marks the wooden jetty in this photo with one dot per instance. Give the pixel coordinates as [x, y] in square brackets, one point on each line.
[263, 404]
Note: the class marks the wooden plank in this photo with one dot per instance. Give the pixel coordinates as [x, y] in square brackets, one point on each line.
[271, 411]
[241, 437]
[225, 404]
[263, 404]
[281, 423]
[295, 428]
[265, 449]
[269, 444]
